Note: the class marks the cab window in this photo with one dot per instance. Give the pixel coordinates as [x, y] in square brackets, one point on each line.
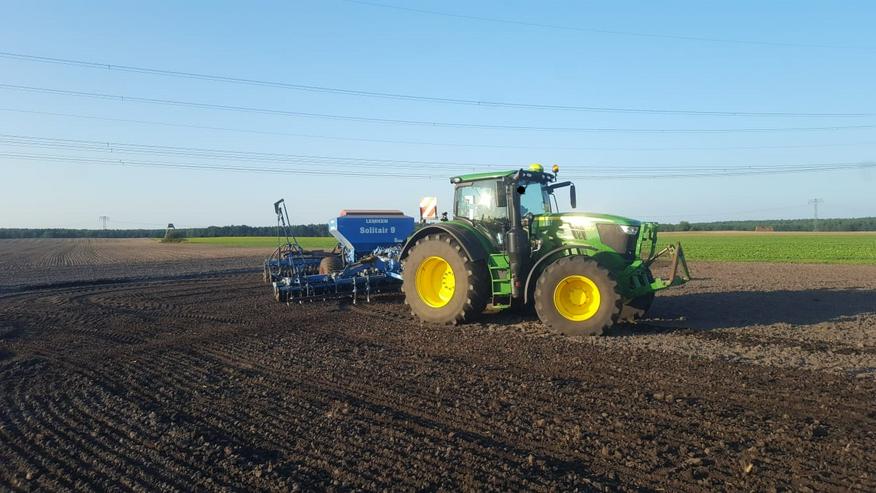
[480, 201]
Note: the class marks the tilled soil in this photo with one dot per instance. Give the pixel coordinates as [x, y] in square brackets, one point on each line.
[28, 263]
[207, 384]
[820, 317]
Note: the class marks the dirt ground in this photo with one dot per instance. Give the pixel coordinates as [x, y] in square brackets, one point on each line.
[752, 377]
[32, 262]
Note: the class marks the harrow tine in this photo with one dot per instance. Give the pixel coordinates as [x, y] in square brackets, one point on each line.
[367, 289]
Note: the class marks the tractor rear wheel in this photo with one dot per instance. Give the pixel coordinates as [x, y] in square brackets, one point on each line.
[332, 263]
[577, 297]
[441, 284]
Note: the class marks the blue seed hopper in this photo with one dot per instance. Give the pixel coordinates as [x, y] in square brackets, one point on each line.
[365, 261]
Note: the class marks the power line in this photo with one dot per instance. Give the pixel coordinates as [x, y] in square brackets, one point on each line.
[269, 111]
[199, 152]
[319, 160]
[410, 97]
[607, 31]
[382, 171]
[731, 172]
[421, 143]
[193, 166]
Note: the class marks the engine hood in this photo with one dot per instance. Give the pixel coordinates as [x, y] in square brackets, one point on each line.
[594, 217]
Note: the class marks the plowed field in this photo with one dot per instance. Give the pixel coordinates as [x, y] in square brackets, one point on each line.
[183, 374]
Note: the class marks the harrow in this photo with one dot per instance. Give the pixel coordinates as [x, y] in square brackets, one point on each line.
[366, 259]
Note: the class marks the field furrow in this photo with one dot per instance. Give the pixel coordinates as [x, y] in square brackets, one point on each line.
[201, 382]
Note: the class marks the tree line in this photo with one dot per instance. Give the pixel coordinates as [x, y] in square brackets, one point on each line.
[210, 231]
[834, 224]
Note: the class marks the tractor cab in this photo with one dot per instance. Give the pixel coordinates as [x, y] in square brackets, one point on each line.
[491, 201]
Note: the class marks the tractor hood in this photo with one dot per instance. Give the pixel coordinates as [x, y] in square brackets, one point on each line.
[605, 231]
[592, 217]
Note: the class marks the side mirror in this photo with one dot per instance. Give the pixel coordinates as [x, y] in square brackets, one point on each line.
[572, 198]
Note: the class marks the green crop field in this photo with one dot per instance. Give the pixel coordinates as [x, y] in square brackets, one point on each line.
[733, 246]
[829, 248]
[310, 243]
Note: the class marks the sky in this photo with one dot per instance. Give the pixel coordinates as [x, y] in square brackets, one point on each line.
[122, 157]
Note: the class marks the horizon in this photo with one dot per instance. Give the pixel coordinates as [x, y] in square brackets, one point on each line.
[667, 113]
[674, 224]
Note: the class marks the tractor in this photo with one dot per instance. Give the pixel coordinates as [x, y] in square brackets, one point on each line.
[508, 246]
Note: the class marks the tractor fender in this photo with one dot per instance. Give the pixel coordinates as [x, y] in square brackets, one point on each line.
[468, 240]
[547, 259]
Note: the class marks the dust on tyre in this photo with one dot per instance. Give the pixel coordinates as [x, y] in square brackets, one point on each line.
[638, 307]
[332, 263]
[577, 297]
[441, 284]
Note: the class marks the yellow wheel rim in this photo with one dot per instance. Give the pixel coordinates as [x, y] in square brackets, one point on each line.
[576, 298]
[435, 282]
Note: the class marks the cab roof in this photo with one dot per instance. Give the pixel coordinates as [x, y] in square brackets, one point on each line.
[538, 176]
[482, 176]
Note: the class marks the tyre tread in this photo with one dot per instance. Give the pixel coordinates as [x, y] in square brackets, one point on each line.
[478, 280]
[541, 298]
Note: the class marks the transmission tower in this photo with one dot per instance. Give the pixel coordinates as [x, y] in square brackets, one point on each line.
[815, 203]
[103, 221]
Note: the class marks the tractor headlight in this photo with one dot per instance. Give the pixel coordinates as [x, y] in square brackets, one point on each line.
[630, 230]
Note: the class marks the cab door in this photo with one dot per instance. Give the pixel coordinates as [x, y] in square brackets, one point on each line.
[485, 206]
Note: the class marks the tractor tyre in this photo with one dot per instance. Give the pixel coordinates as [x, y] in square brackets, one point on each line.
[575, 296]
[332, 263]
[637, 308]
[441, 284]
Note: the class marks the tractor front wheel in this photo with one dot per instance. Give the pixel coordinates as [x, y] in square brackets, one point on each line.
[577, 297]
[441, 284]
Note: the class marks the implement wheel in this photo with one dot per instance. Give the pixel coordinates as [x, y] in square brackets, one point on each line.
[280, 296]
[577, 297]
[331, 264]
[441, 284]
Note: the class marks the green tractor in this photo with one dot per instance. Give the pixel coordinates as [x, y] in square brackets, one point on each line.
[508, 246]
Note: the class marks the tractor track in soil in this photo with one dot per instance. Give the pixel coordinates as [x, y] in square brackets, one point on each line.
[203, 382]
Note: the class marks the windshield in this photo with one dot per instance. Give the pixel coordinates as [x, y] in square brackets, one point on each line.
[534, 198]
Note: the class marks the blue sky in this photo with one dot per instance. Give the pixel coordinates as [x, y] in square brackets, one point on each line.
[822, 61]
